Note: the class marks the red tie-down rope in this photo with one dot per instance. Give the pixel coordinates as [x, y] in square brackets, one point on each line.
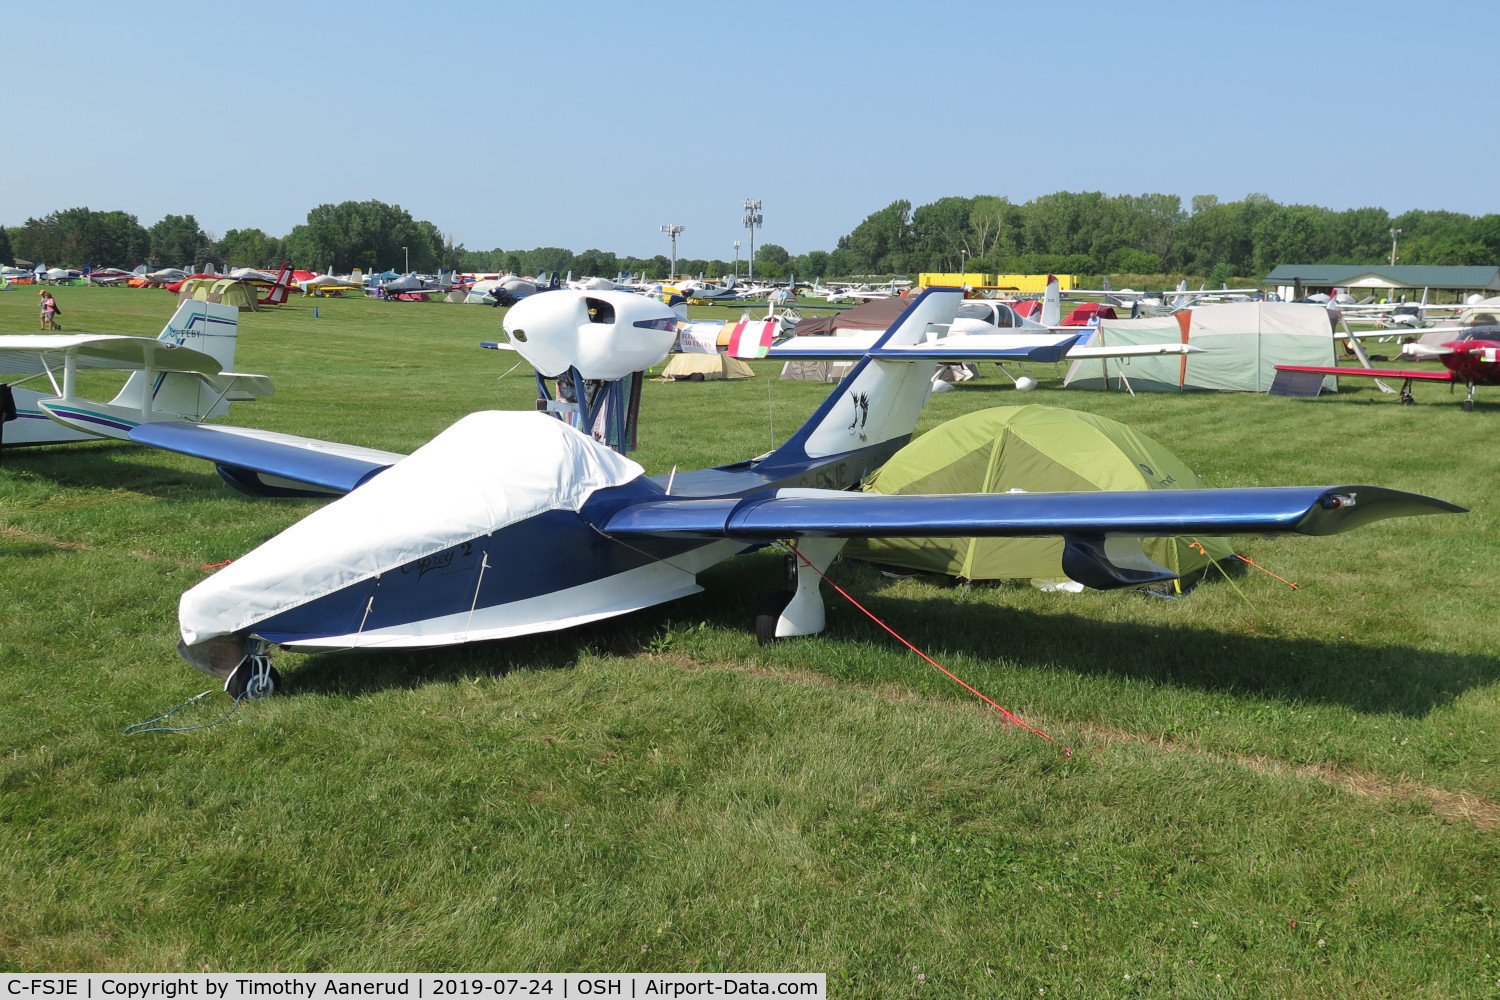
[1010, 716]
[1194, 544]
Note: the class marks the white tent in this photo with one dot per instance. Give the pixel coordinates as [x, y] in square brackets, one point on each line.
[1242, 343]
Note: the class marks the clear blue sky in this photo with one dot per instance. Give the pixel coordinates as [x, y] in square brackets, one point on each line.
[590, 125]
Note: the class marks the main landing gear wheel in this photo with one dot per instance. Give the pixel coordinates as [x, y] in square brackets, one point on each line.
[1468, 406]
[769, 615]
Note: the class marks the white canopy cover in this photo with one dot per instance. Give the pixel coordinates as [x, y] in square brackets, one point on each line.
[490, 469]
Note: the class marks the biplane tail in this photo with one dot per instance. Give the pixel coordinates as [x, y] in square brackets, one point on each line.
[208, 328]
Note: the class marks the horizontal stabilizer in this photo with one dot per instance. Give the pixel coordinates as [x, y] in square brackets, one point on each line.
[1304, 510]
[238, 386]
[329, 466]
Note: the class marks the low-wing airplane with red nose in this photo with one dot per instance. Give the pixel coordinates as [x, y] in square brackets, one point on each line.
[1473, 360]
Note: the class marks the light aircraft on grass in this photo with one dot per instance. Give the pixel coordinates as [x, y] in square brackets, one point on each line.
[1164, 303]
[982, 325]
[512, 288]
[414, 284]
[182, 374]
[105, 275]
[325, 284]
[507, 524]
[1471, 360]
[164, 276]
[698, 290]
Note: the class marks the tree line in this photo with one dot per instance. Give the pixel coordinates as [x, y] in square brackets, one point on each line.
[1065, 232]
[370, 235]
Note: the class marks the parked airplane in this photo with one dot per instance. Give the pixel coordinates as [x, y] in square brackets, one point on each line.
[593, 284]
[323, 284]
[413, 284]
[507, 524]
[182, 374]
[106, 275]
[513, 288]
[1472, 360]
[1163, 303]
[697, 290]
[981, 325]
[164, 276]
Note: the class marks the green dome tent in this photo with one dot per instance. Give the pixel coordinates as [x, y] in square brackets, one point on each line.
[1036, 449]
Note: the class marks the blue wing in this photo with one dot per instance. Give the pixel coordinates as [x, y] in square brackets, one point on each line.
[257, 462]
[1086, 521]
[1303, 510]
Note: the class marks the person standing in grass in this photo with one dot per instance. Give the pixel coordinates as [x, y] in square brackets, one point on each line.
[49, 311]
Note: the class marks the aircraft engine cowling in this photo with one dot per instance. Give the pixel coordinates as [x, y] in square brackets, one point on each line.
[605, 335]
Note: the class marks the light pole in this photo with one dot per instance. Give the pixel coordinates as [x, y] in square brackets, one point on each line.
[408, 259]
[672, 231]
[1394, 233]
[736, 258]
[752, 219]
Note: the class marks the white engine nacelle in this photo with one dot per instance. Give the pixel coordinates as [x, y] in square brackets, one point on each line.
[605, 335]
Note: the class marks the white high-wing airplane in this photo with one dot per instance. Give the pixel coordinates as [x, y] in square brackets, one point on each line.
[1161, 303]
[1399, 315]
[182, 374]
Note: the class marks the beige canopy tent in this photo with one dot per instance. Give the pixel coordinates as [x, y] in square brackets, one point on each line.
[694, 367]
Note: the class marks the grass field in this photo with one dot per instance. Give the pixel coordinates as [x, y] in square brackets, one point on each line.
[1272, 792]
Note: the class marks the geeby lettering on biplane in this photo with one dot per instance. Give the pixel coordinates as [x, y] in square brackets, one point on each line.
[1471, 360]
[510, 523]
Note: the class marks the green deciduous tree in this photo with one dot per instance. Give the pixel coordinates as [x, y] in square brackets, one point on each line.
[365, 234]
[111, 239]
[250, 248]
[177, 241]
[37, 240]
[879, 245]
[771, 253]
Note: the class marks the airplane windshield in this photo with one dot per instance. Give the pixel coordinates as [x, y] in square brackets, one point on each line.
[974, 310]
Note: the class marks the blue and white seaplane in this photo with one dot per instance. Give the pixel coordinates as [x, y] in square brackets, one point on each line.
[182, 374]
[510, 523]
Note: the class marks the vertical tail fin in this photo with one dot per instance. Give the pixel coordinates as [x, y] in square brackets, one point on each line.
[878, 401]
[276, 296]
[1051, 303]
[203, 326]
